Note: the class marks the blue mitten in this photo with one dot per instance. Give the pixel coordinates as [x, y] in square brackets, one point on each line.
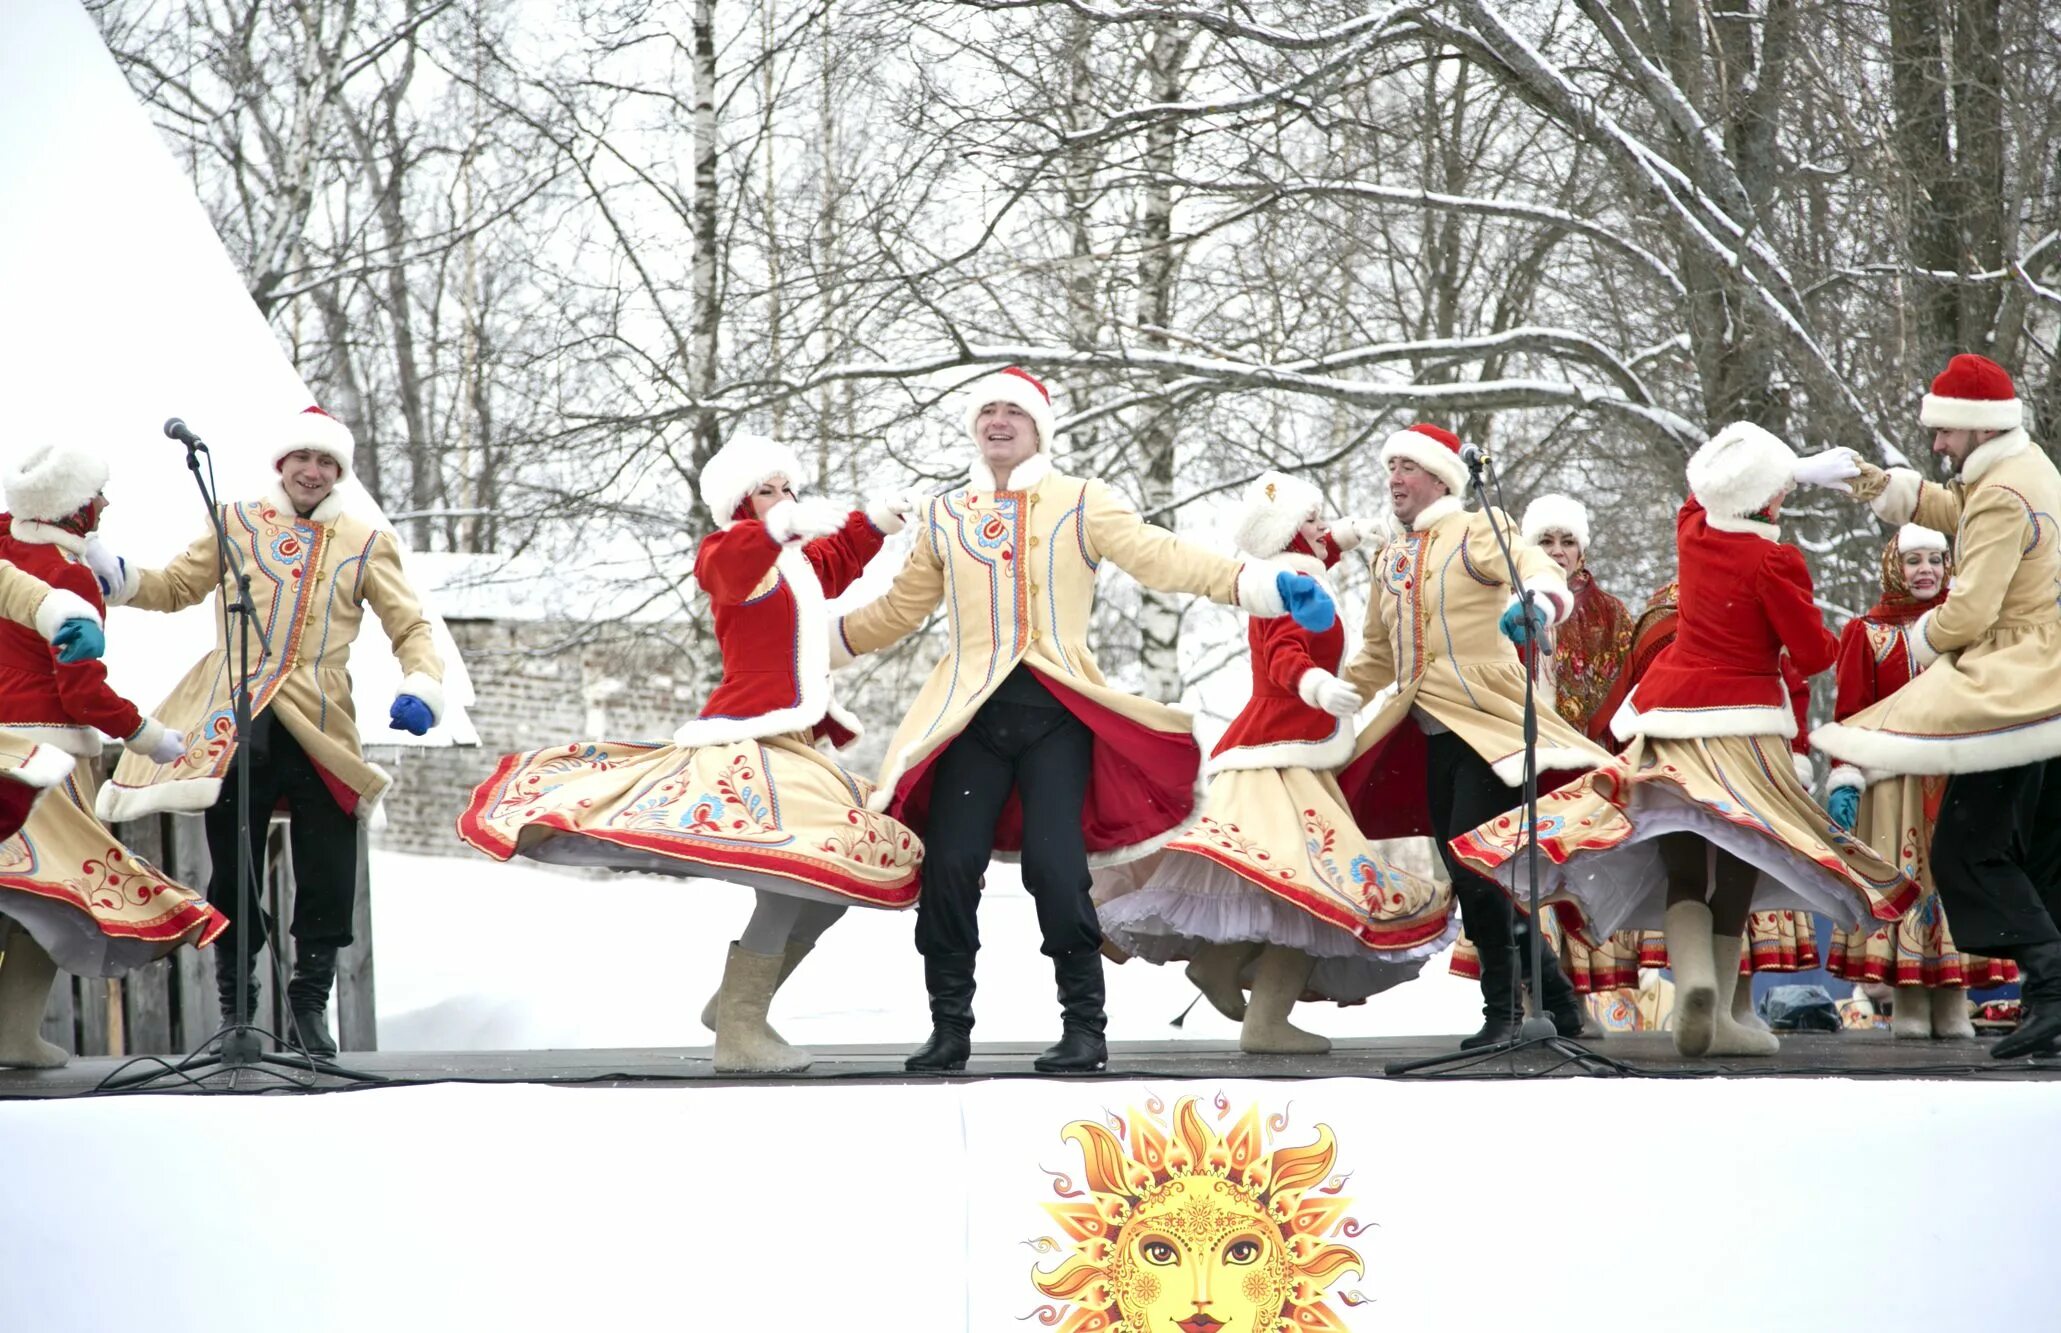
[79, 640]
[1307, 602]
[1521, 623]
[409, 714]
[1845, 806]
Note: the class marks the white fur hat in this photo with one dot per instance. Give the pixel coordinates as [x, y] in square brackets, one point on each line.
[738, 468]
[1018, 387]
[1740, 469]
[1433, 448]
[312, 428]
[51, 481]
[1275, 506]
[1556, 513]
[1912, 537]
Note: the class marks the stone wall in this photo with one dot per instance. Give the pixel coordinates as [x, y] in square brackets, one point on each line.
[534, 684]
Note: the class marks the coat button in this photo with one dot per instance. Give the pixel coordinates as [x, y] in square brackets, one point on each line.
[1035, 590]
[1034, 543]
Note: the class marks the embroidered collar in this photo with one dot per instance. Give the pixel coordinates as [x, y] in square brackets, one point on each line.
[35, 532]
[1025, 477]
[1989, 453]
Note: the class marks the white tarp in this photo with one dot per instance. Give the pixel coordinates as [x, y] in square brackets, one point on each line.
[120, 310]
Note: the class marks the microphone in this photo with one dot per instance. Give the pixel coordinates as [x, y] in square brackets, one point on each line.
[175, 429]
[1473, 455]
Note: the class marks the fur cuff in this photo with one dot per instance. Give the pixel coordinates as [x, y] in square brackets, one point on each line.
[1257, 594]
[1553, 590]
[1306, 685]
[60, 606]
[841, 654]
[887, 513]
[1923, 654]
[803, 520]
[1899, 498]
[1842, 776]
[426, 688]
[47, 766]
[146, 738]
[1800, 764]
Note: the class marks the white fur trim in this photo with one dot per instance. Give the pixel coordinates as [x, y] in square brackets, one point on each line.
[1556, 513]
[1700, 723]
[1275, 505]
[318, 431]
[1923, 654]
[1429, 454]
[1800, 764]
[803, 520]
[1911, 537]
[1989, 453]
[1971, 413]
[47, 766]
[1297, 562]
[1510, 768]
[1332, 752]
[1739, 469]
[1443, 507]
[51, 481]
[812, 668]
[886, 514]
[1899, 498]
[328, 511]
[1843, 776]
[59, 606]
[35, 532]
[70, 737]
[1355, 529]
[426, 688]
[1001, 387]
[1025, 475]
[1890, 754]
[179, 796]
[1257, 594]
[736, 469]
[1752, 527]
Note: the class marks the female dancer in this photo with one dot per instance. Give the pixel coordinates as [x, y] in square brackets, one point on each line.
[1274, 887]
[1894, 815]
[740, 793]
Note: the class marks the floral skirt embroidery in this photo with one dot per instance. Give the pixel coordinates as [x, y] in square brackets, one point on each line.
[773, 813]
[1610, 966]
[97, 908]
[1275, 859]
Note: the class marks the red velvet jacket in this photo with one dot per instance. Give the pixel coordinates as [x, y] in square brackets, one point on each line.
[63, 704]
[1875, 661]
[773, 629]
[1745, 598]
[1276, 729]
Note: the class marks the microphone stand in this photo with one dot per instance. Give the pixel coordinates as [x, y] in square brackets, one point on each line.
[238, 1043]
[1536, 1031]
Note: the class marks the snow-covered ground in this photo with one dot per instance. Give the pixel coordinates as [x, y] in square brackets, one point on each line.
[478, 956]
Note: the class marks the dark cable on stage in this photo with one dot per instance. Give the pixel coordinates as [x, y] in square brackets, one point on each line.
[238, 1043]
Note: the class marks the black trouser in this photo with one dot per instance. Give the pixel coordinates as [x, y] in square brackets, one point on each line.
[322, 834]
[1465, 792]
[1042, 752]
[1996, 857]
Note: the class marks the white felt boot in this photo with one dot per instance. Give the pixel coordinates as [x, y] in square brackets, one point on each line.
[1912, 1017]
[790, 959]
[1743, 1012]
[1732, 1037]
[26, 975]
[1276, 985]
[1950, 1019]
[1687, 928]
[744, 1042]
[1216, 971]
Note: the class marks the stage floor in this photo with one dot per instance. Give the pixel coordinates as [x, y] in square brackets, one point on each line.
[1649, 1054]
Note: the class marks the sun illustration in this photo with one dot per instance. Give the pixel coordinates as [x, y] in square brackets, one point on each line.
[1180, 1229]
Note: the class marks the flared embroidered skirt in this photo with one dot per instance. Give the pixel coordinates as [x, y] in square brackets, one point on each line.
[1775, 942]
[1739, 793]
[1275, 859]
[98, 909]
[1611, 965]
[774, 814]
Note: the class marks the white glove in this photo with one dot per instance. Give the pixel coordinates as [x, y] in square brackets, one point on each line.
[1355, 529]
[1320, 689]
[157, 741]
[1831, 470]
[109, 569]
[802, 520]
[891, 513]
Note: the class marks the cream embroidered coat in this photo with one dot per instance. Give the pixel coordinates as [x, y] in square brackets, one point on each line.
[1015, 571]
[1439, 592]
[311, 579]
[27, 600]
[1988, 694]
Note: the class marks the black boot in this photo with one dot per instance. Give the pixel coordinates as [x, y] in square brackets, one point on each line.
[225, 985]
[1569, 1015]
[2039, 1027]
[1081, 1048]
[949, 979]
[307, 996]
[1502, 1010]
